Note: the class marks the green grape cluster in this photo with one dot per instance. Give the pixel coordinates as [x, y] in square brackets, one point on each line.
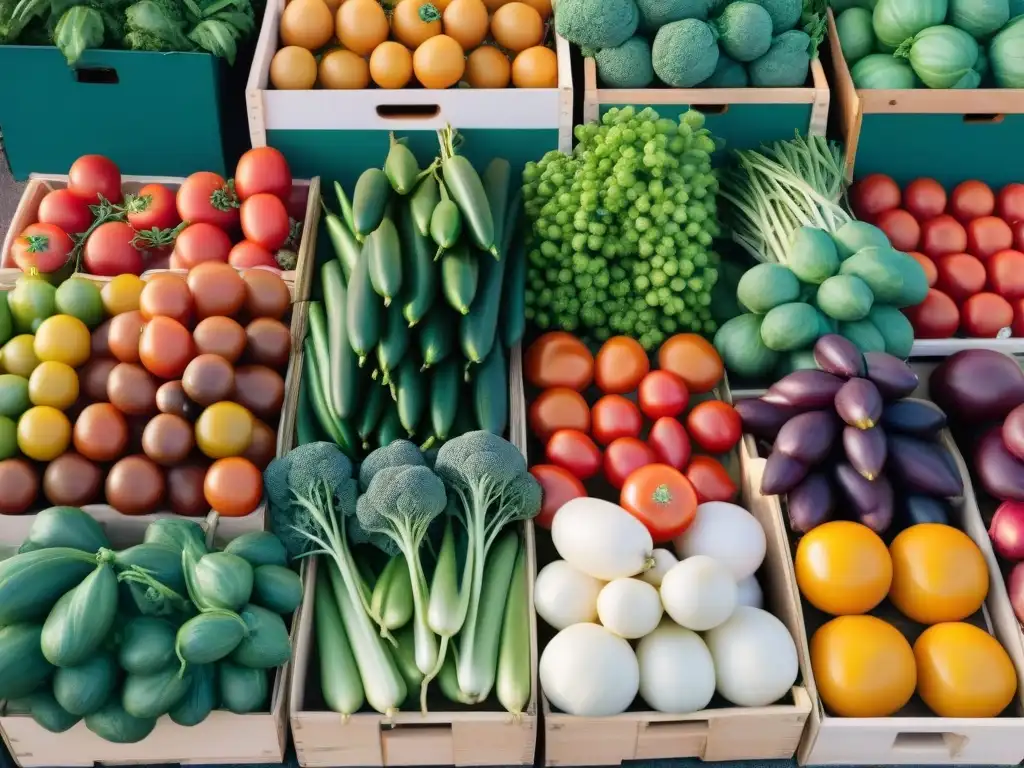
[622, 229]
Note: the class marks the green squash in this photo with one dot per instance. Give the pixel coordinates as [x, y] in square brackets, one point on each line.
[979, 18]
[209, 637]
[856, 34]
[854, 236]
[81, 620]
[32, 582]
[147, 646]
[179, 534]
[259, 548]
[941, 56]
[266, 643]
[23, 668]
[161, 561]
[277, 589]
[67, 527]
[896, 21]
[86, 687]
[242, 689]
[739, 344]
[219, 581]
[49, 714]
[1006, 55]
[113, 724]
[200, 699]
[146, 696]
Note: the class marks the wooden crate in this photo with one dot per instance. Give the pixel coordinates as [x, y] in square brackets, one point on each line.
[924, 348]
[744, 117]
[466, 737]
[949, 135]
[338, 134]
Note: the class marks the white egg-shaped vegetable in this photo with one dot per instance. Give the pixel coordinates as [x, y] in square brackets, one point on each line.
[565, 595]
[677, 673]
[749, 592]
[755, 658]
[663, 561]
[586, 670]
[729, 534]
[629, 607]
[699, 593]
[601, 539]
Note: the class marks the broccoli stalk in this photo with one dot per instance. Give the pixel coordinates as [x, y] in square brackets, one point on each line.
[488, 477]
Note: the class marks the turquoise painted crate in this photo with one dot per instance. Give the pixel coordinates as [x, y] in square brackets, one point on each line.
[948, 135]
[155, 114]
[337, 134]
[745, 118]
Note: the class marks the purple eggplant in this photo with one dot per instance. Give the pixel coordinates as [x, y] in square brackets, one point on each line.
[914, 417]
[839, 356]
[1013, 432]
[763, 419]
[805, 390]
[893, 377]
[872, 500]
[977, 385]
[810, 503]
[808, 438]
[865, 450]
[781, 474]
[1000, 472]
[923, 467]
[859, 403]
[925, 509]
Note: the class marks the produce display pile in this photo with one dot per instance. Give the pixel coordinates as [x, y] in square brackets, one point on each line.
[470, 633]
[94, 226]
[153, 395]
[432, 43]
[696, 43]
[421, 305]
[900, 44]
[122, 638]
[970, 244]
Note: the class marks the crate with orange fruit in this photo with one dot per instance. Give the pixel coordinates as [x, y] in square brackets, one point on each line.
[322, 66]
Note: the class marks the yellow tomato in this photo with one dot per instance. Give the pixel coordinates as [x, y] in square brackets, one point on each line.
[54, 384]
[121, 294]
[487, 67]
[293, 69]
[439, 62]
[19, 355]
[535, 67]
[963, 671]
[517, 26]
[863, 667]
[63, 338]
[43, 433]
[361, 25]
[843, 568]
[343, 70]
[224, 430]
[938, 574]
[391, 65]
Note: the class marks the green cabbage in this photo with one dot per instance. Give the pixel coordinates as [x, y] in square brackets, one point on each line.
[941, 56]
[896, 21]
[881, 71]
[1006, 55]
[980, 18]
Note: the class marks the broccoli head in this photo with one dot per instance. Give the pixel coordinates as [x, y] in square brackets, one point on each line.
[685, 53]
[596, 23]
[627, 65]
[728, 74]
[401, 503]
[398, 453]
[786, 63]
[655, 14]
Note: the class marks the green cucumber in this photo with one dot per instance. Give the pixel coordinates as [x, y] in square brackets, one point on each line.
[364, 309]
[343, 365]
[478, 329]
[307, 427]
[393, 343]
[410, 394]
[321, 344]
[311, 377]
[512, 323]
[401, 166]
[372, 410]
[373, 190]
[445, 223]
[460, 275]
[340, 682]
[437, 336]
[497, 181]
[445, 388]
[346, 247]
[345, 206]
[390, 427]
[465, 417]
[467, 190]
[422, 203]
[385, 255]
[490, 392]
[420, 274]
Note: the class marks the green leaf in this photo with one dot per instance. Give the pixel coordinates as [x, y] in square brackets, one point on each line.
[154, 25]
[216, 37]
[79, 29]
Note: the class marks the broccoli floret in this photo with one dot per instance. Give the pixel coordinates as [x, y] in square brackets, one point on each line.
[744, 31]
[627, 65]
[685, 53]
[655, 14]
[785, 13]
[728, 74]
[596, 23]
[398, 453]
[786, 64]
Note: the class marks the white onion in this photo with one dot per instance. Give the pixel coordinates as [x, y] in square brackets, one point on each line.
[629, 607]
[601, 539]
[749, 592]
[677, 673]
[586, 670]
[663, 561]
[699, 593]
[565, 595]
[755, 658]
[727, 533]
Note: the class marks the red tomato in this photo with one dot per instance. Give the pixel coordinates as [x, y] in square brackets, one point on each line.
[558, 408]
[714, 426]
[614, 416]
[930, 271]
[197, 243]
[152, 208]
[558, 359]
[65, 209]
[247, 254]
[900, 227]
[985, 315]
[558, 486]
[924, 198]
[960, 276]
[1010, 203]
[987, 235]
[937, 317]
[620, 365]
[263, 169]
[694, 360]
[110, 251]
[710, 480]
[265, 221]
[1006, 274]
[1018, 235]
[205, 198]
[44, 248]
[943, 235]
[670, 442]
[1018, 318]
[662, 393]
[662, 499]
[972, 200]
[572, 450]
[623, 457]
[95, 176]
[873, 195]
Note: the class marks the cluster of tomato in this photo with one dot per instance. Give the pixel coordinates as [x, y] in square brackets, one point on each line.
[970, 244]
[250, 221]
[636, 435]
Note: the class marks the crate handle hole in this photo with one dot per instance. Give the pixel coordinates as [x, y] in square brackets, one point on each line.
[408, 111]
[937, 741]
[711, 109]
[680, 727]
[97, 76]
[993, 119]
[438, 728]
